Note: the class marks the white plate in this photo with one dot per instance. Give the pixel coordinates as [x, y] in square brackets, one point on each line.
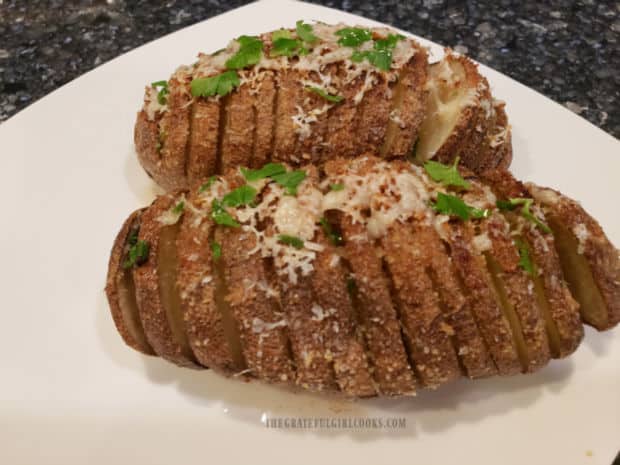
[72, 393]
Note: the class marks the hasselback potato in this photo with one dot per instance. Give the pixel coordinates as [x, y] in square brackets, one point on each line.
[314, 93]
[364, 276]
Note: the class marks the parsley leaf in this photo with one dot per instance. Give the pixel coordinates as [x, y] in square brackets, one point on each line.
[270, 169]
[249, 53]
[333, 236]
[138, 252]
[454, 206]
[526, 213]
[525, 260]
[242, 195]
[381, 55]
[208, 184]
[447, 175]
[291, 240]
[290, 180]
[287, 47]
[336, 187]
[353, 36]
[216, 250]
[305, 32]
[281, 34]
[162, 95]
[220, 84]
[178, 208]
[325, 95]
[221, 216]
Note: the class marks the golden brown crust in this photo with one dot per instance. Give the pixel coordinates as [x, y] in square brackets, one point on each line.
[197, 282]
[424, 326]
[146, 140]
[410, 99]
[119, 282]
[340, 323]
[147, 277]
[375, 115]
[287, 103]
[264, 106]
[202, 159]
[238, 133]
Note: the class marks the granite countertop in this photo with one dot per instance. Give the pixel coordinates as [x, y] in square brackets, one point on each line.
[567, 50]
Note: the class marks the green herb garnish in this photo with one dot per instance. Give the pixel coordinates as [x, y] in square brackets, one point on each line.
[333, 236]
[305, 32]
[281, 34]
[336, 187]
[353, 36]
[270, 169]
[249, 53]
[455, 206]
[208, 184]
[178, 208]
[290, 180]
[526, 213]
[220, 84]
[216, 250]
[285, 46]
[138, 252]
[221, 216]
[525, 260]
[242, 195]
[381, 55]
[162, 95]
[447, 175]
[291, 240]
[325, 95]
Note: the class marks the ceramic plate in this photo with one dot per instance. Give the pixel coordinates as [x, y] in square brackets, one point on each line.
[72, 393]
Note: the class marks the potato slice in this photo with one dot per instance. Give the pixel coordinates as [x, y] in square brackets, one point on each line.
[238, 131]
[426, 332]
[264, 107]
[203, 159]
[590, 262]
[120, 289]
[156, 294]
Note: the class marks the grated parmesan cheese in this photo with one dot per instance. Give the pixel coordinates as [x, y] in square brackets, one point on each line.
[582, 234]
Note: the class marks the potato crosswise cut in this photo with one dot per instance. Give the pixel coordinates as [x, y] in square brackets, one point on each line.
[516, 292]
[493, 325]
[378, 317]
[427, 334]
[264, 107]
[238, 131]
[288, 112]
[202, 159]
[375, 109]
[120, 288]
[211, 333]
[591, 264]
[460, 324]
[561, 311]
[254, 306]
[334, 309]
[156, 294]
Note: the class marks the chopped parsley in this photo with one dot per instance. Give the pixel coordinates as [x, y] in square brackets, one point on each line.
[291, 240]
[216, 250]
[162, 94]
[337, 187]
[208, 184]
[249, 53]
[138, 251]
[525, 203]
[281, 34]
[455, 206]
[242, 195]
[381, 55]
[305, 32]
[290, 180]
[286, 46]
[525, 260]
[447, 175]
[333, 236]
[221, 216]
[270, 169]
[178, 208]
[353, 36]
[220, 84]
[329, 97]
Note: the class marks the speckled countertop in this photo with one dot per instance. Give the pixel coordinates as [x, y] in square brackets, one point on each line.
[568, 50]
